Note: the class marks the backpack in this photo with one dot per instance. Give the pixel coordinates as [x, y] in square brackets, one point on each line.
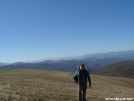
[76, 77]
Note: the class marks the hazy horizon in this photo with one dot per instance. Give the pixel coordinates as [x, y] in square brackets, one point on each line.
[62, 58]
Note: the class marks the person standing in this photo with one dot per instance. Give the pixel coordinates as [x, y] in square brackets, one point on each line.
[82, 75]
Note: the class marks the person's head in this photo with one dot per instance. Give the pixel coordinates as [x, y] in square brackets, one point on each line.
[82, 67]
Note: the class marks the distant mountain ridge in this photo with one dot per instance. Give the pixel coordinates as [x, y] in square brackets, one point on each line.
[65, 65]
[127, 55]
[120, 54]
[92, 62]
[1, 63]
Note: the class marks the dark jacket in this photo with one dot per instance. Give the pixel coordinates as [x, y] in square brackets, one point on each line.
[84, 75]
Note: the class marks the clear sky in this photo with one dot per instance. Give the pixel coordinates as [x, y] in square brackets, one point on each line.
[40, 29]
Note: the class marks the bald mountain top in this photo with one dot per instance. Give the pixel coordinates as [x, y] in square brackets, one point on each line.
[121, 69]
[44, 85]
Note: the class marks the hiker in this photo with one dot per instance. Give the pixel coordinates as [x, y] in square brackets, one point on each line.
[81, 76]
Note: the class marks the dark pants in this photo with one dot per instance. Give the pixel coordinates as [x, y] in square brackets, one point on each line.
[82, 91]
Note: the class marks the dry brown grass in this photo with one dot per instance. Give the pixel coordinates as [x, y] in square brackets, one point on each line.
[40, 85]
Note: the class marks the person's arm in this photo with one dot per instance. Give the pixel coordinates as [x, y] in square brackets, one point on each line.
[89, 79]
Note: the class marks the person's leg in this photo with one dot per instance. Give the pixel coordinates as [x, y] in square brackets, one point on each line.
[84, 95]
[80, 92]
[84, 87]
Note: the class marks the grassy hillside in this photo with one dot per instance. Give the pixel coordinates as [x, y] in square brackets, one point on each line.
[40, 85]
[121, 69]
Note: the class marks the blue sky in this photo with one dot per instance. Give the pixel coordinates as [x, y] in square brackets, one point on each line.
[40, 29]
